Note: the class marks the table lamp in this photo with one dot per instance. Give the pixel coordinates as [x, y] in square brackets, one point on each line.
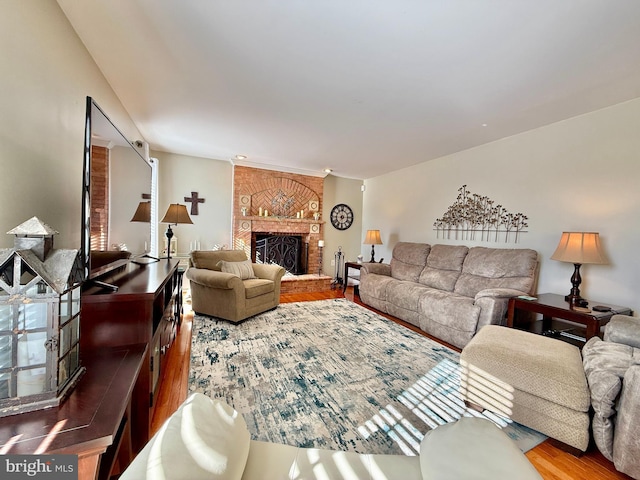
[176, 213]
[578, 248]
[143, 212]
[373, 238]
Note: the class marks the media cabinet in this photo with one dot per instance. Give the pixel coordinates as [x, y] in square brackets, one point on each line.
[145, 309]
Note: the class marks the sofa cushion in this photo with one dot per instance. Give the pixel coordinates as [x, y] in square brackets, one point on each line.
[497, 268]
[472, 448]
[203, 439]
[244, 270]
[373, 290]
[403, 299]
[408, 260]
[449, 317]
[444, 265]
[273, 461]
[209, 258]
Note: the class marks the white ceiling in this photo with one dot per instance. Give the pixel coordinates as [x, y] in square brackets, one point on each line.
[360, 86]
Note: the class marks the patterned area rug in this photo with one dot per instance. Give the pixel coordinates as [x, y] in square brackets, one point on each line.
[332, 374]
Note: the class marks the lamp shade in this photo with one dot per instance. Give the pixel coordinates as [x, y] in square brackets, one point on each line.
[580, 248]
[373, 238]
[176, 214]
[143, 212]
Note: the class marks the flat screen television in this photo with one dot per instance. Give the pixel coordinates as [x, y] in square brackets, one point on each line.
[116, 222]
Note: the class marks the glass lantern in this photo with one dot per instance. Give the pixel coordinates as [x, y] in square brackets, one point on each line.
[39, 336]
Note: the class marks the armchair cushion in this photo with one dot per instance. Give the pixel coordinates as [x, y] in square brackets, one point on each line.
[255, 287]
[209, 259]
[243, 269]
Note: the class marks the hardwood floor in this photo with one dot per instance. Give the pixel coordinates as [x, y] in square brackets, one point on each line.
[551, 462]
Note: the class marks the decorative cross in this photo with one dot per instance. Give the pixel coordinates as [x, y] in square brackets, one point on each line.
[194, 202]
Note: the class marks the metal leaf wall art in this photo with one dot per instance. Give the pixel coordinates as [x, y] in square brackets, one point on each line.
[474, 214]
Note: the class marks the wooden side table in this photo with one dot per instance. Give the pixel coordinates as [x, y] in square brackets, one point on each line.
[558, 316]
[347, 266]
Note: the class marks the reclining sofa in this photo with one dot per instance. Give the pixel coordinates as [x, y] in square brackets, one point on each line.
[208, 439]
[449, 291]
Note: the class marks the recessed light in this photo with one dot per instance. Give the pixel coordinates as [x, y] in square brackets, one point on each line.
[484, 124]
[241, 157]
[328, 170]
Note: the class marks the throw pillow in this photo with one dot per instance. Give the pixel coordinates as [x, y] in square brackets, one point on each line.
[244, 270]
[203, 439]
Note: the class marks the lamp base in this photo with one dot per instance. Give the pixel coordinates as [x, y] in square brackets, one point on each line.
[373, 254]
[169, 235]
[574, 298]
[576, 301]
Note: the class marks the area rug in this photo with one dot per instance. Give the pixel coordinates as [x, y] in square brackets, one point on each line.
[332, 374]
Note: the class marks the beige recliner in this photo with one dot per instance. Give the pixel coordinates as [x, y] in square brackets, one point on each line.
[226, 285]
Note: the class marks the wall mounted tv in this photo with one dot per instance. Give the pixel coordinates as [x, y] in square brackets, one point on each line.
[116, 222]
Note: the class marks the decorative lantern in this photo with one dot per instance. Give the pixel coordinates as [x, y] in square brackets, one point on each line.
[39, 320]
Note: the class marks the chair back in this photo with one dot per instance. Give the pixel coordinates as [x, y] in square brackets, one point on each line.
[209, 259]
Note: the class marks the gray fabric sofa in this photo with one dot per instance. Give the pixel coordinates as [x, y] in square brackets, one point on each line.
[449, 291]
[612, 367]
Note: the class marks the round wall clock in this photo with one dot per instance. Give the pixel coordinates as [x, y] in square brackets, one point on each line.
[341, 216]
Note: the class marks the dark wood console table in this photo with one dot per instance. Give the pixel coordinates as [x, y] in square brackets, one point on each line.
[97, 421]
[559, 316]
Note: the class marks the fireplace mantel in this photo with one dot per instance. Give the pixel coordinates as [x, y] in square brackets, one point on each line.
[257, 218]
[256, 190]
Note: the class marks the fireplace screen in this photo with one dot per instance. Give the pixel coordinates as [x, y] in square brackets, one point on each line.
[288, 251]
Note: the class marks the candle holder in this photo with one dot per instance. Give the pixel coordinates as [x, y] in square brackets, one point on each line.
[320, 247]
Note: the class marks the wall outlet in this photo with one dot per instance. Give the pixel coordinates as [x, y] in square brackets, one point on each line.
[333, 263]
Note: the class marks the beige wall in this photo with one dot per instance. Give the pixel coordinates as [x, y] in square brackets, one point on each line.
[347, 191]
[46, 76]
[178, 176]
[580, 174]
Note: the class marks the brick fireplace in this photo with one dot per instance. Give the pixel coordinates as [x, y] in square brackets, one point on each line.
[271, 203]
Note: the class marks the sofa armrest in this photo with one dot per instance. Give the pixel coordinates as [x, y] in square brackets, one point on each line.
[499, 293]
[268, 272]
[626, 442]
[493, 303]
[377, 268]
[213, 278]
[623, 329]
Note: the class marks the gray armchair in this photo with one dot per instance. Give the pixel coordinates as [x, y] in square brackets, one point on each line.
[226, 285]
[612, 367]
